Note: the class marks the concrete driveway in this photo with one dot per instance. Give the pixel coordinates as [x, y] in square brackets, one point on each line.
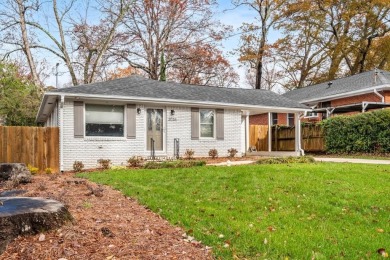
[351, 160]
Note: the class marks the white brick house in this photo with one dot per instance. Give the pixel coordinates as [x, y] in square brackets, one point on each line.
[121, 118]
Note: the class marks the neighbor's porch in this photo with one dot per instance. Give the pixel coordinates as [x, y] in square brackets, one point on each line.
[266, 140]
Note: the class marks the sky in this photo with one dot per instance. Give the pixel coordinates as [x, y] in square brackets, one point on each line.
[225, 13]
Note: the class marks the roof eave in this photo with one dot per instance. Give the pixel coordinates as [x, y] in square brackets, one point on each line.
[347, 94]
[169, 101]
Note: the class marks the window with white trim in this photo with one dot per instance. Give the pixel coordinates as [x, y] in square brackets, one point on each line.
[207, 122]
[290, 119]
[104, 120]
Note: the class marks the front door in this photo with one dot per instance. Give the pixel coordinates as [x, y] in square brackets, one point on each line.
[154, 128]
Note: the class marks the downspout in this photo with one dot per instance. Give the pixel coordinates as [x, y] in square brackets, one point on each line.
[62, 133]
[379, 95]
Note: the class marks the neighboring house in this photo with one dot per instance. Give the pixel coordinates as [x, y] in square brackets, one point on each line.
[121, 118]
[354, 94]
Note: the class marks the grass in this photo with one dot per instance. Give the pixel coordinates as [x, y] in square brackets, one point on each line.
[287, 211]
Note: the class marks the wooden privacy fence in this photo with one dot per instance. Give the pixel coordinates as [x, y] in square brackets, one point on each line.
[283, 138]
[258, 137]
[37, 146]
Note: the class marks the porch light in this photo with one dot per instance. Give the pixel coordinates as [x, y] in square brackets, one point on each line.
[172, 112]
[138, 111]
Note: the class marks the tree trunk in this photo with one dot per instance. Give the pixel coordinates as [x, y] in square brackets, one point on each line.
[259, 64]
[26, 45]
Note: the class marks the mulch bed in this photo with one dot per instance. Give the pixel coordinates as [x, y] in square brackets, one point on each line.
[107, 225]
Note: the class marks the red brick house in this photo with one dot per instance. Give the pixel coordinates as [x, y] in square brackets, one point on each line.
[354, 94]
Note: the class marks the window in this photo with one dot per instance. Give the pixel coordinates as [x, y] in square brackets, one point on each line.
[207, 122]
[104, 120]
[311, 114]
[274, 118]
[290, 119]
[325, 104]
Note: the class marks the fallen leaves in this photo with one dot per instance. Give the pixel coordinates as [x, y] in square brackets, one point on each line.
[108, 227]
[41, 238]
[383, 252]
[271, 229]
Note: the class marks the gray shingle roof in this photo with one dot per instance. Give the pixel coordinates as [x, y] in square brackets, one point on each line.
[340, 86]
[136, 86]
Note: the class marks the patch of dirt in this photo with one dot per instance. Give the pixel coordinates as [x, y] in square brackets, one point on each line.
[107, 225]
[225, 159]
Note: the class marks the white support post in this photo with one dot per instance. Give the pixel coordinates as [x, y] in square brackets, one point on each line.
[246, 132]
[298, 135]
[61, 123]
[269, 132]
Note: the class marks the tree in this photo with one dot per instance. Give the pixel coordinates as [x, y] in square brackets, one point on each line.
[254, 38]
[201, 64]
[14, 17]
[122, 73]
[19, 99]
[349, 30]
[302, 53]
[80, 45]
[167, 26]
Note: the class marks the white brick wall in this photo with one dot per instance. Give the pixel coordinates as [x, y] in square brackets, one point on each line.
[119, 149]
[181, 128]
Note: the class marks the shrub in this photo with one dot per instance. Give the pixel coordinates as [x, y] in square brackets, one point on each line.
[189, 154]
[32, 169]
[174, 164]
[284, 160]
[363, 133]
[232, 152]
[135, 161]
[48, 171]
[78, 166]
[104, 163]
[213, 153]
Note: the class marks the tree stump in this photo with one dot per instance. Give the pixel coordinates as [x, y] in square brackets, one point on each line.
[25, 215]
[15, 171]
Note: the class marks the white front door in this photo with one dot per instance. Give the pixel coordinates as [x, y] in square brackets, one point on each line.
[154, 128]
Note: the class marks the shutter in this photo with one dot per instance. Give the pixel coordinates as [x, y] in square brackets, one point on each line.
[220, 124]
[195, 123]
[131, 114]
[78, 115]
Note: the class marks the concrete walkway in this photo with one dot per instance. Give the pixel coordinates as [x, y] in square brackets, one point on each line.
[351, 160]
[230, 163]
[317, 159]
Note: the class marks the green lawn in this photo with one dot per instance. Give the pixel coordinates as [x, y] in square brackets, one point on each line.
[295, 211]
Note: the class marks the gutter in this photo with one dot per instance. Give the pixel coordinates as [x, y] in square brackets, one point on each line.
[347, 94]
[172, 102]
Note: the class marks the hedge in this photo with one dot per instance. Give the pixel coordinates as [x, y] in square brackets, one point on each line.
[362, 133]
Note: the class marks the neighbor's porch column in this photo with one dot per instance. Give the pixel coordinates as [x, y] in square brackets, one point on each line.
[298, 145]
[269, 132]
[247, 131]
